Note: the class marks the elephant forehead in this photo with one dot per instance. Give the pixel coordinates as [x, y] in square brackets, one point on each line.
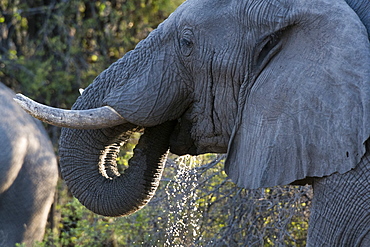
[266, 14]
[203, 12]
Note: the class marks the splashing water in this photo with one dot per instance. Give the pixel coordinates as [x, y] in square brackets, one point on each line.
[183, 216]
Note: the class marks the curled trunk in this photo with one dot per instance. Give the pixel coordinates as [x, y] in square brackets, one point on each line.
[88, 165]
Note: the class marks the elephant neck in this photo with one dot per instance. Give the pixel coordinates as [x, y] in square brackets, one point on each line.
[340, 214]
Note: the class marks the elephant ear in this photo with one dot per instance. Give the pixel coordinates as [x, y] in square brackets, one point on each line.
[307, 112]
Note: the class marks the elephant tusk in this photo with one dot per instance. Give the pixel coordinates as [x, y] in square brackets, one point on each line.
[97, 118]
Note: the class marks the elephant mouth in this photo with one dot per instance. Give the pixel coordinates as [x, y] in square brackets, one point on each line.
[181, 142]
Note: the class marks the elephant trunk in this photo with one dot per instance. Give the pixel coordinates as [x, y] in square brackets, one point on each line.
[133, 91]
[88, 165]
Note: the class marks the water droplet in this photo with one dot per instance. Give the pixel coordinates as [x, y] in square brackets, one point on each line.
[182, 226]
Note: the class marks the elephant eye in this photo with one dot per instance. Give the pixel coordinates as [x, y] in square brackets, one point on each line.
[186, 42]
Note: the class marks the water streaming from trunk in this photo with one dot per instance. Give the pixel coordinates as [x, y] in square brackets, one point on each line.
[183, 215]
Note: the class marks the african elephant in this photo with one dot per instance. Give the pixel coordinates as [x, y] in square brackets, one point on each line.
[282, 87]
[28, 174]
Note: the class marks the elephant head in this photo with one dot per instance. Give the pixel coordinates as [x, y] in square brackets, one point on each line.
[281, 86]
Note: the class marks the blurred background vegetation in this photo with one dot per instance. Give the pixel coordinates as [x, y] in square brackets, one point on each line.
[51, 48]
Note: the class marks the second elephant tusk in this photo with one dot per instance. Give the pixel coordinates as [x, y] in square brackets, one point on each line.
[97, 118]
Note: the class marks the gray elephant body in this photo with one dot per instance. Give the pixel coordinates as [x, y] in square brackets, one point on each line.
[340, 213]
[282, 86]
[28, 174]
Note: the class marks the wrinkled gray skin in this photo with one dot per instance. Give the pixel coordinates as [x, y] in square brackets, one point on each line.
[28, 174]
[281, 86]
